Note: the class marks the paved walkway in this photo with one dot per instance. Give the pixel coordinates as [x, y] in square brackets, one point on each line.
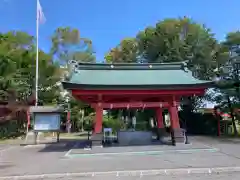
[204, 156]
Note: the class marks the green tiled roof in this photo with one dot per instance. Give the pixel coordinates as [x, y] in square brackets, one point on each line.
[133, 75]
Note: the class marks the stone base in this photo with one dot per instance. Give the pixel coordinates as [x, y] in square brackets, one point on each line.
[127, 138]
[31, 138]
[40, 136]
[34, 137]
[178, 135]
[97, 139]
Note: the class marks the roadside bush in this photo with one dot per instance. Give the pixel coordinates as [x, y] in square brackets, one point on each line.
[11, 129]
[110, 122]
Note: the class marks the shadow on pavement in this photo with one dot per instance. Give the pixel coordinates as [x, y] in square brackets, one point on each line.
[67, 144]
[62, 146]
[5, 166]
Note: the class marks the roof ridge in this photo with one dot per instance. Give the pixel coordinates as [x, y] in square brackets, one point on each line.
[131, 66]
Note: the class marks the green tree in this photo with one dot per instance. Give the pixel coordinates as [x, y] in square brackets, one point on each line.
[228, 94]
[67, 44]
[125, 52]
[15, 48]
[173, 40]
[17, 70]
[177, 40]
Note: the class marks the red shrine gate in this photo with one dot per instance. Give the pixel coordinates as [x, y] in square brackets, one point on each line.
[111, 86]
[116, 99]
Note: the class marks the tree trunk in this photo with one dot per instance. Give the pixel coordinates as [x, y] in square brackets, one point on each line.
[232, 116]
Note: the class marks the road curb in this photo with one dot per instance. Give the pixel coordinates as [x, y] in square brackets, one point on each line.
[138, 173]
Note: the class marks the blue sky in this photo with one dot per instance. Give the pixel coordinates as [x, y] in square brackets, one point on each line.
[106, 22]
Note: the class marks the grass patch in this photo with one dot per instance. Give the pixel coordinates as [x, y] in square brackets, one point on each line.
[81, 135]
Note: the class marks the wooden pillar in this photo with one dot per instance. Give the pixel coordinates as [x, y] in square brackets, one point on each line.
[159, 117]
[98, 119]
[97, 136]
[177, 133]
[28, 120]
[160, 124]
[217, 114]
[173, 111]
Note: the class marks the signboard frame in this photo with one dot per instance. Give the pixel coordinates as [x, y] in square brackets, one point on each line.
[47, 114]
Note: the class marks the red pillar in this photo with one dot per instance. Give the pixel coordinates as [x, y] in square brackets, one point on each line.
[217, 114]
[28, 120]
[159, 116]
[98, 119]
[177, 133]
[68, 117]
[173, 111]
[219, 128]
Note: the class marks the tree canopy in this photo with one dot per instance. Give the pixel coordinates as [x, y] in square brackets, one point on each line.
[18, 64]
[67, 44]
[177, 40]
[170, 40]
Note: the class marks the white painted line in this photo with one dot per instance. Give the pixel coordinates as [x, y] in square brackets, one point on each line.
[137, 173]
[210, 171]
[136, 152]
[98, 146]
[69, 152]
[209, 146]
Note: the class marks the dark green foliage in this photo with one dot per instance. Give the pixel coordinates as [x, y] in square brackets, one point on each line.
[199, 124]
[11, 129]
[115, 124]
[17, 71]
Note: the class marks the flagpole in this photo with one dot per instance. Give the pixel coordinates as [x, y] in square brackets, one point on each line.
[36, 76]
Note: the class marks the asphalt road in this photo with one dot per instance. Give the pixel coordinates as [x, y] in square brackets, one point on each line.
[39, 160]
